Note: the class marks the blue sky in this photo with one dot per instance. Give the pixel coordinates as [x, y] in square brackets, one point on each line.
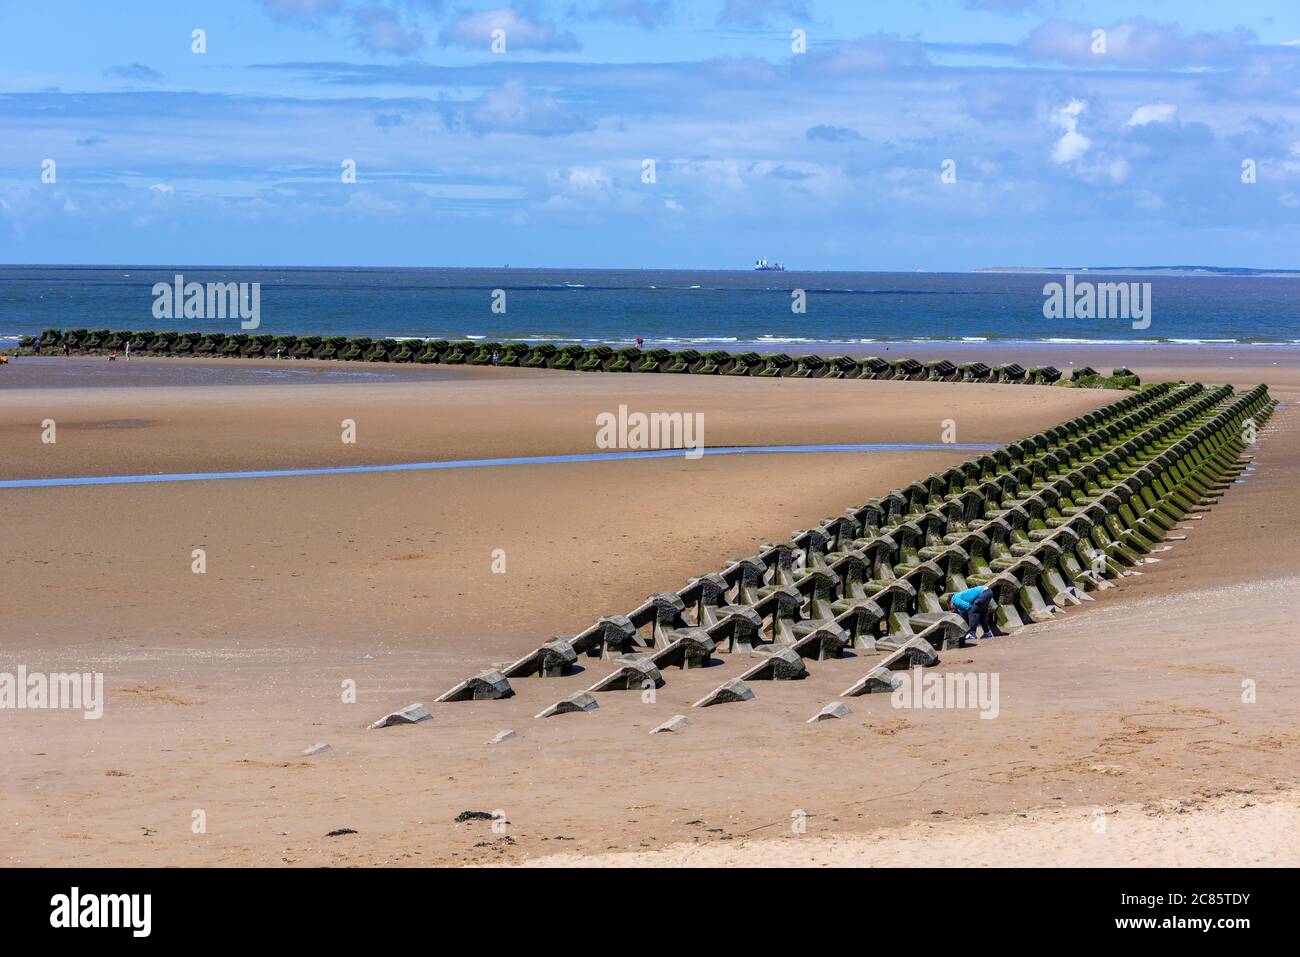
[831, 158]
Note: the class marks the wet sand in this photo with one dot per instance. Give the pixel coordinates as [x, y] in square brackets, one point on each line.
[97, 372]
[216, 682]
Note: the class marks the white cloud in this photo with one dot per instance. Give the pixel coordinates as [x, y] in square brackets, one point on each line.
[380, 30]
[1072, 144]
[589, 179]
[1153, 113]
[1288, 166]
[514, 108]
[579, 189]
[1135, 42]
[474, 32]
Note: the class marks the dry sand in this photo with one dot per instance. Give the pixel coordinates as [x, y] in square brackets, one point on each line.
[216, 682]
[1238, 829]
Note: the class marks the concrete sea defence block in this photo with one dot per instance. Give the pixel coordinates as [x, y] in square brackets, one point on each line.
[609, 637]
[782, 664]
[843, 367]
[776, 364]
[687, 648]
[660, 613]
[906, 369]
[488, 685]
[877, 681]
[1009, 372]
[635, 674]
[595, 359]
[683, 361]
[673, 724]
[579, 701]
[551, 660]
[717, 362]
[873, 367]
[836, 709]
[741, 626]
[916, 652]
[940, 370]
[808, 367]
[821, 639]
[568, 358]
[941, 630]
[726, 693]
[411, 714]
[974, 372]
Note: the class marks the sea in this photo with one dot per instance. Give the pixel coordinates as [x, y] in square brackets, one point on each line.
[707, 309]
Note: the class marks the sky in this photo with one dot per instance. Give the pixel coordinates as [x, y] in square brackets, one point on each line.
[932, 134]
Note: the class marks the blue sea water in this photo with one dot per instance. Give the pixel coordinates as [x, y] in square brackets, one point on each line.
[153, 478]
[705, 309]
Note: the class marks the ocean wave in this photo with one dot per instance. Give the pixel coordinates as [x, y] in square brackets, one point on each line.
[812, 343]
[698, 339]
[1054, 340]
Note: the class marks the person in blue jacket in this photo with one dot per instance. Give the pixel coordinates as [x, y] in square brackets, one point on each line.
[976, 606]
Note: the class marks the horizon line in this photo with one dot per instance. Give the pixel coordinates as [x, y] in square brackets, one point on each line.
[1180, 267]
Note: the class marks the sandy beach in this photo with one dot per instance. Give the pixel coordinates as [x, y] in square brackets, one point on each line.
[1129, 711]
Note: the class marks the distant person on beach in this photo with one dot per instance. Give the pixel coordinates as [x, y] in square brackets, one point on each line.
[67, 351]
[496, 357]
[639, 342]
[976, 606]
[112, 356]
[127, 352]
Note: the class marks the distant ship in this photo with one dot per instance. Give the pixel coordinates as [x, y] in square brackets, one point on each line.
[762, 265]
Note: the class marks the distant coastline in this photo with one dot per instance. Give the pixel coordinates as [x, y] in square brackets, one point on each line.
[1147, 270]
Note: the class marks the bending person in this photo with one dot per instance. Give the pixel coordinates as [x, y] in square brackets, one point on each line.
[976, 606]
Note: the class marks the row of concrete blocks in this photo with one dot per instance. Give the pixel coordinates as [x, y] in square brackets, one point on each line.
[773, 568]
[912, 600]
[689, 647]
[542, 356]
[1023, 588]
[1020, 463]
[1032, 516]
[1042, 452]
